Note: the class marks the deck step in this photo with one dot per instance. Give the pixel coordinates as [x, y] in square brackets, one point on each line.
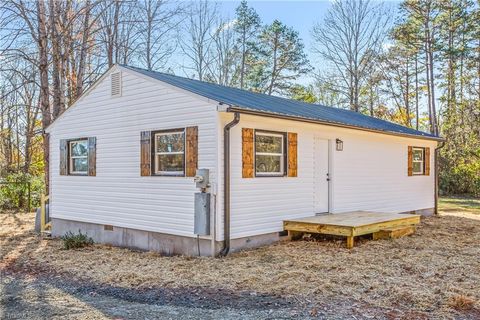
[394, 233]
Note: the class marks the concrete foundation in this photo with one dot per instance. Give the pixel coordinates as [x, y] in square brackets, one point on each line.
[153, 241]
[166, 243]
[423, 212]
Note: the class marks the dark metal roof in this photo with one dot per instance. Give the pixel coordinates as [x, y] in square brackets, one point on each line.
[242, 100]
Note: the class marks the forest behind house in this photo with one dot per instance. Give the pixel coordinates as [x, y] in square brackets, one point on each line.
[416, 63]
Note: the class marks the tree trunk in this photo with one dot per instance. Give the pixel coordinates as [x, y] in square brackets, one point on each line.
[43, 95]
[242, 67]
[83, 51]
[416, 91]
[274, 67]
[408, 121]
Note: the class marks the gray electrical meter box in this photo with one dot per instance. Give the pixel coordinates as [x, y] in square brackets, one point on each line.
[202, 178]
[202, 214]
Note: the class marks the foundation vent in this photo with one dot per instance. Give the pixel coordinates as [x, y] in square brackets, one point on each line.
[116, 84]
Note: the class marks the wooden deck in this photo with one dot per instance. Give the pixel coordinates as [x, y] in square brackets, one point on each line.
[356, 223]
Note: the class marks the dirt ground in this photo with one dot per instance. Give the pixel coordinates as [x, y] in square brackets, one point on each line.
[433, 274]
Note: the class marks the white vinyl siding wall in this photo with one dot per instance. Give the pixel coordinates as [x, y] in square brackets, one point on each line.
[118, 195]
[369, 174]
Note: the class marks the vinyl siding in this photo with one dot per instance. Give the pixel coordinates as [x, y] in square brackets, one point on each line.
[118, 195]
[369, 174]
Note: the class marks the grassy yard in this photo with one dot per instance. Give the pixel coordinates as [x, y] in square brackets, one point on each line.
[431, 274]
[459, 205]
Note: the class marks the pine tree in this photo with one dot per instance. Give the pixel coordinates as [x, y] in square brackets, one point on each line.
[282, 56]
[247, 27]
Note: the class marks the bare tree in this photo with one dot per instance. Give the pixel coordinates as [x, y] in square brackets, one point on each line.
[425, 13]
[198, 41]
[118, 30]
[159, 21]
[42, 41]
[222, 68]
[349, 39]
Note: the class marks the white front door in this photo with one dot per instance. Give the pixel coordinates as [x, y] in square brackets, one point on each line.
[321, 177]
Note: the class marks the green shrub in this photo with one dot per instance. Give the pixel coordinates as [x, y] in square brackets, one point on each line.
[462, 178]
[16, 189]
[74, 241]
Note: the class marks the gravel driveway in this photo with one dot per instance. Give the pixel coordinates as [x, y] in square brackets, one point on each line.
[25, 297]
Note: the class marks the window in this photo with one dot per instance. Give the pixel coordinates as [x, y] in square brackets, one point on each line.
[78, 156]
[269, 154]
[418, 161]
[169, 152]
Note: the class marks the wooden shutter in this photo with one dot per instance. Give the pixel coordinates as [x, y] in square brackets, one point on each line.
[247, 153]
[92, 156]
[292, 154]
[63, 157]
[427, 161]
[410, 161]
[145, 153]
[191, 148]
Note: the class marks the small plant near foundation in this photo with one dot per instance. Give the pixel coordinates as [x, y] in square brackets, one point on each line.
[74, 241]
[461, 302]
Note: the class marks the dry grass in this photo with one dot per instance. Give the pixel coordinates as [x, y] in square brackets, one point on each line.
[436, 270]
[461, 302]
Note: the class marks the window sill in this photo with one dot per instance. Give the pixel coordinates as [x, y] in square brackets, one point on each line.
[169, 175]
[270, 175]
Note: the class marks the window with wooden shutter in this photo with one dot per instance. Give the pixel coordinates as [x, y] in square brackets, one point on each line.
[145, 153]
[292, 154]
[78, 157]
[191, 151]
[172, 152]
[247, 153]
[418, 161]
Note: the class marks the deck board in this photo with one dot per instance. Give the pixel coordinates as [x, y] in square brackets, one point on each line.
[354, 218]
[351, 224]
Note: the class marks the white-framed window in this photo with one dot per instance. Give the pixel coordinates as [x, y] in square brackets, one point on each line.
[418, 161]
[269, 153]
[78, 156]
[169, 152]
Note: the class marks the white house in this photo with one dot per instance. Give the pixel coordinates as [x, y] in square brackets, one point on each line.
[124, 156]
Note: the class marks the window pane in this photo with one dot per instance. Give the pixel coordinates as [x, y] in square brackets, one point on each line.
[170, 162]
[270, 164]
[417, 167]
[80, 165]
[417, 155]
[79, 148]
[170, 142]
[271, 144]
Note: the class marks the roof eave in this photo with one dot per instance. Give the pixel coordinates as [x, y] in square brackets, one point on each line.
[328, 123]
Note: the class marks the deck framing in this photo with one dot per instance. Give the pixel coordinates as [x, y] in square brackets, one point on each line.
[350, 224]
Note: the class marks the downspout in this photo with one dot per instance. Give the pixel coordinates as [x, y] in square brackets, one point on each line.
[442, 144]
[226, 183]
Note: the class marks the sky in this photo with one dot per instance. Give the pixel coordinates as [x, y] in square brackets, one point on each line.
[301, 15]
